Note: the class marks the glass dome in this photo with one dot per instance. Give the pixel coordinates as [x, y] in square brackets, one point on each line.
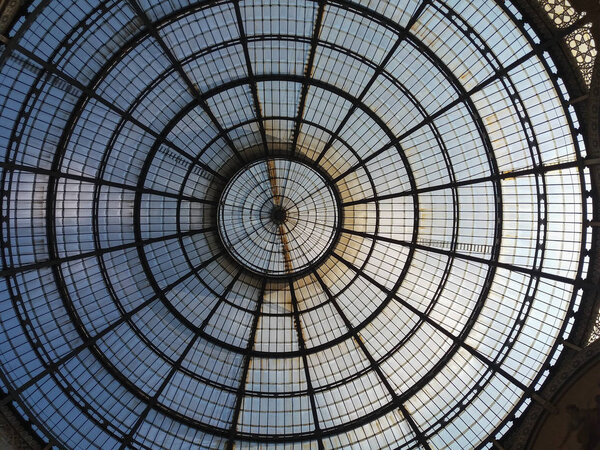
[276, 223]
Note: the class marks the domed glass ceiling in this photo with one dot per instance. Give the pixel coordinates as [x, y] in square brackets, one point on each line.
[279, 223]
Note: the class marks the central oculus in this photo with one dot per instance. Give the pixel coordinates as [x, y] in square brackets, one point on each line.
[278, 214]
[278, 217]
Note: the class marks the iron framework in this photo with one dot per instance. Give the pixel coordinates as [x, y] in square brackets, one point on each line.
[459, 259]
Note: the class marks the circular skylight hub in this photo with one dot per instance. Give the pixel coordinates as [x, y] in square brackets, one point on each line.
[277, 217]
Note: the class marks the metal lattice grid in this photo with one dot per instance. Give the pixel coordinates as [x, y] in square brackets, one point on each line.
[447, 225]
